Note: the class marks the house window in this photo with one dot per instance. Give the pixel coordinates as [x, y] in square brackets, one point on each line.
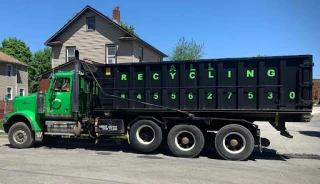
[140, 54]
[111, 52]
[21, 92]
[91, 23]
[9, 70]
[9, 93]
[71, 53]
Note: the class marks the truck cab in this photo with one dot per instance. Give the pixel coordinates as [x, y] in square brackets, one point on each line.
[46, 116]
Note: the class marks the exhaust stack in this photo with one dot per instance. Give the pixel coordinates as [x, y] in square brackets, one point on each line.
[76, 87]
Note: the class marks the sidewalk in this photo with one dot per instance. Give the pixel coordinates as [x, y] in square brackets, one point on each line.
[306, 136]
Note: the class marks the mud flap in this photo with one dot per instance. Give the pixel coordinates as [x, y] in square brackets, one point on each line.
[38, 136]
[281, 127]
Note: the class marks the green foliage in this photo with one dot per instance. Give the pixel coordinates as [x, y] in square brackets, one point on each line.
[129, 28]
[187, 50]
[41, 62]
[1, 125]
[16, 48]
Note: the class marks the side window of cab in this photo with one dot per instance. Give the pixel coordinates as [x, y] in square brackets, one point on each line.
[62, 85]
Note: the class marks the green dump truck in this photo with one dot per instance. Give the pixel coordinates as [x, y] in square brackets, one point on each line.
[181, 104]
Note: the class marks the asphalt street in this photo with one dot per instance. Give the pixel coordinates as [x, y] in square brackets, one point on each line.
[294, 160]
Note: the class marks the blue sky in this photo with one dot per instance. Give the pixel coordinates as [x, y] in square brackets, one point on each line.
[229, 28]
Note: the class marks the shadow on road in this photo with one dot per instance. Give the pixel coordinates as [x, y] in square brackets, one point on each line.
[310, 133]
[106, 147]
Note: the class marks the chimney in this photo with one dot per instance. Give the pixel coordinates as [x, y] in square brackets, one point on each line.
[116, 14]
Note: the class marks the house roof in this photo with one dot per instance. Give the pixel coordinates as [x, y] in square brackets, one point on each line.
[51, 40]
[7, 58]
[88, 61]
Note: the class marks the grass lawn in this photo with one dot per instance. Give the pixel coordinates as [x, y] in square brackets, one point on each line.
[1, 128]
[1, 125]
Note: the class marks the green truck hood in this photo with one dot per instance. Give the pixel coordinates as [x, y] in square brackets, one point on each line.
[24, 103]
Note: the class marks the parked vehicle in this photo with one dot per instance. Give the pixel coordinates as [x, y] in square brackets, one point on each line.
[174, 103]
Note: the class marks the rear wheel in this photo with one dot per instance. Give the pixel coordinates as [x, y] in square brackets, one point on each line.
[20, 136]
[185, 140]
[234, 142]
[145, 135]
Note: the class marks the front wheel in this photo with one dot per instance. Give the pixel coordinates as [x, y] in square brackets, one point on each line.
[20, 136]
[234, 142]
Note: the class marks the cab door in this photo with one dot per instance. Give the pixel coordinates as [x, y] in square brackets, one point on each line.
[60, 98]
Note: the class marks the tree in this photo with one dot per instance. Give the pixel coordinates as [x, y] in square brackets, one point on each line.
[187, 50]
[41, 62]
[261, 55]
[16, 48]
[129, 28]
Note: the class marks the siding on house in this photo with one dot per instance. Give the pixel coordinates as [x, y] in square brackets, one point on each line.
[92, 44]
[23, 82]
[18, 79]
[6, 81]
[148, 55]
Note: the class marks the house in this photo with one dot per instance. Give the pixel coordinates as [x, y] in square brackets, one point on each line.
[101, 39]
[316, 91]
[13, 79]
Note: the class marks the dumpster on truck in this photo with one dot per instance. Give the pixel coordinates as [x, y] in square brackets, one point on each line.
[181, 104]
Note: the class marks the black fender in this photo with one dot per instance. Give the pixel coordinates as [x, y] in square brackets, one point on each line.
[160, 123]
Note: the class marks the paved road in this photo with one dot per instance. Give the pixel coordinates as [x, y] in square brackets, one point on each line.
[74, 163]
[294, 160]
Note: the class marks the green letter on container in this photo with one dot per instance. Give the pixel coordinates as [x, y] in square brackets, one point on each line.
[140, 76]
[271, 73]
[192, 75]
[210, 76]
[250, 73]
[209, 67]
[172, 75]
[123, 95]
[191, 68]
[155, 76]
[123, 77]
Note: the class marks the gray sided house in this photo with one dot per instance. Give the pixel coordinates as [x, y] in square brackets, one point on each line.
[13, 77]
[100, 39]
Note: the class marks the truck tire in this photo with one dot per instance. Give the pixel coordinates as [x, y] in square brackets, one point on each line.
[20, 136]
[48, 139]
[234, 142]
[145, 135]
[185, 141]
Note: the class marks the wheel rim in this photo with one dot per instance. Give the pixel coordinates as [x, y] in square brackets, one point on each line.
[234, 142]
[145, 134]
[185, 140]
[20, 136]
